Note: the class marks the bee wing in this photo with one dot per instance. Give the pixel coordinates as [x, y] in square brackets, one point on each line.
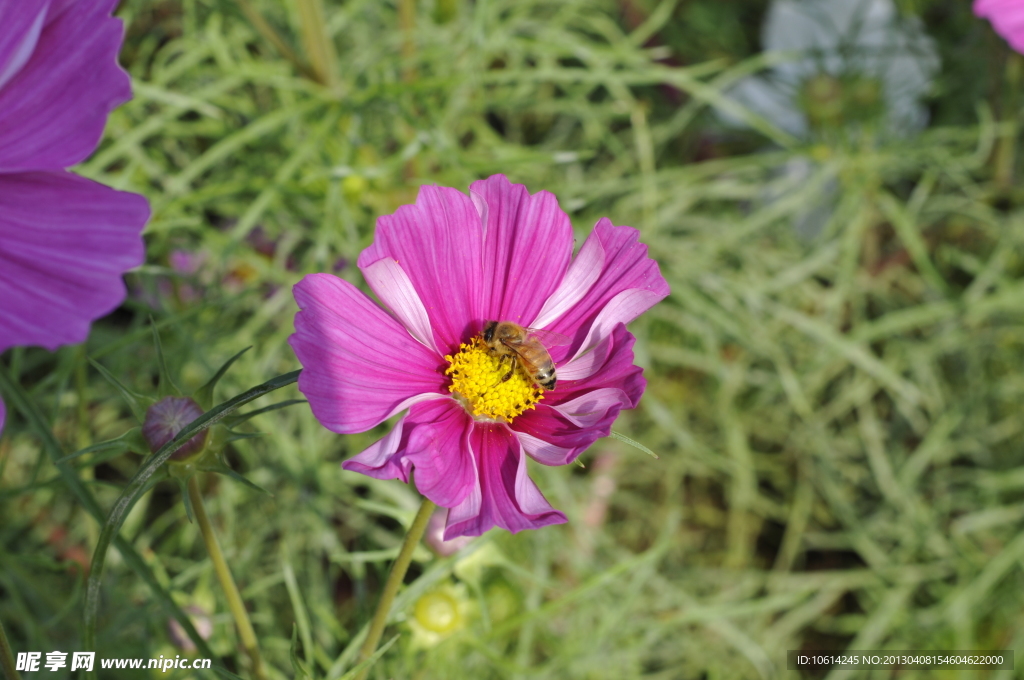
[549, 338]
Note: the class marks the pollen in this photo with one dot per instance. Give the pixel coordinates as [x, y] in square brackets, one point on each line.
[477, 381]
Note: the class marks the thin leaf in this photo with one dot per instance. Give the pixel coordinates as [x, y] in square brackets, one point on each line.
[235, 436]
[165, 375]
[239, 419]
[136, 402]
[297, 665]
[131, 440]
[186, 498]
[635, 444]
[204, 395]
[227, 471]
[372, 660]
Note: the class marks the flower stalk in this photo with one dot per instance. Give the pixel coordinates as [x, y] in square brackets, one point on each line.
[7, 657]
[227, 582]
[395, 578]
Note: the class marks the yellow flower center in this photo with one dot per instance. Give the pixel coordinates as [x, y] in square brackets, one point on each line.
[477, 381]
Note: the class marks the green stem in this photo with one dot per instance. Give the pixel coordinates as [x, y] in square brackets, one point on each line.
[1006, 151]
[227, 582]
[7, 656]
[395, 578]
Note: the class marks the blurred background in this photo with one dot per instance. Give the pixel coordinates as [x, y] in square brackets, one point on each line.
[834, 385]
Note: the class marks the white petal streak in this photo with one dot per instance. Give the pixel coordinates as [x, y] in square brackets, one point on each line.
[622, 308]
[392, 285]
[542, 451]
[587, 409]
[582, 274]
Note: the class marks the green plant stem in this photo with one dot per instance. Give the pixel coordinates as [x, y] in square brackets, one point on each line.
[395, 577]
[227, 582]
[1006, 152]
[7, 656]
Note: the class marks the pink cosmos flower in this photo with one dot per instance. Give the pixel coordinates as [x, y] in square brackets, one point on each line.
[1007, 17]
[64, 240]
[443, 267]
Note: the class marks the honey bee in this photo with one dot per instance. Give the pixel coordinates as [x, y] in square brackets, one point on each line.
[523, 346]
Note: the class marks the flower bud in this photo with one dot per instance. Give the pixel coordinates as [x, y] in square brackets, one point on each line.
[167, 418]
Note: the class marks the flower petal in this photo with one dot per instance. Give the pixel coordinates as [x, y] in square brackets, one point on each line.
[379, 460]
[53, 110]
[360, 365]
[506, 496]
[625, 267]
[391, 284]
[437, 241]
[526, 250]
[64, 243]
[439, 451]
[582, 410]
[1007, 17]
[22, 22]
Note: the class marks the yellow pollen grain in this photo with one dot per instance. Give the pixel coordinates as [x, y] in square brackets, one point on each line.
[476, 377]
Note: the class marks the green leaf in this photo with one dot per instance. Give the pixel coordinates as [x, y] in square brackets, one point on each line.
[132, 440]
[137, 402]
[223, 469]
[138, 484]
[186, 498]
[241, 418]
[235, 436]
[372, 660]
[204, 395]
[165, 375]
[297, 665]
[635, 444]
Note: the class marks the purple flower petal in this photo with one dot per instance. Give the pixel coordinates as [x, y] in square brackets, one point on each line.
[582, 410]
[527, 248]
[624, 266]
[439, 451]
[391, 284]
[64, 243]
[437, 241]
[433, 439]
[361, 366]
[505, 495]
[22, 22]
[54, 108]
[1007, 17]
[379, 460]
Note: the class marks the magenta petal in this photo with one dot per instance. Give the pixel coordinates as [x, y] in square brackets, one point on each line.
[507, 497]
[527, 248]
[437, 241]
[391, 284]
[64, 243]
[625, 267]
[439, 451]
[53, 110]
[360, 365]
[1007, 17]
[582, 410]
[22, 22]
[382, 460]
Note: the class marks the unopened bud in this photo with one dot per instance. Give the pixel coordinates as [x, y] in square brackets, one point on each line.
[167, 418]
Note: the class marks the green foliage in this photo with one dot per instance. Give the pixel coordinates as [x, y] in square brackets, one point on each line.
[835, 407]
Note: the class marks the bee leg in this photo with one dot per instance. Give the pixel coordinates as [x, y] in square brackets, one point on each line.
[511, 368]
